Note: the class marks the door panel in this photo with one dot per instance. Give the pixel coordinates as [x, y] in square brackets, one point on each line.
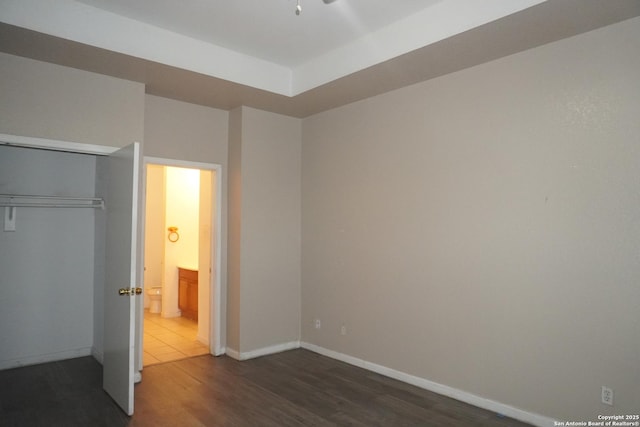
[121, 203]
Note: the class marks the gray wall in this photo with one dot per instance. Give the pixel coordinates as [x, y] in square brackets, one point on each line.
[265, 155]
[481, 231]
[47, 264]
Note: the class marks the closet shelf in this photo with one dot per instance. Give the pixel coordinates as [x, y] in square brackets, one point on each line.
[31, 201]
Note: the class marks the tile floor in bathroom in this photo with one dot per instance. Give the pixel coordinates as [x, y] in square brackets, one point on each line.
[168, 339]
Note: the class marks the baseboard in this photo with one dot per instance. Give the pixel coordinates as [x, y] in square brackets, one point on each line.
[45, 358]
[97, 354]
[220, 351]
[463, 396]
[278, 348]
[169, 314]
[232, 353]
[203, 339]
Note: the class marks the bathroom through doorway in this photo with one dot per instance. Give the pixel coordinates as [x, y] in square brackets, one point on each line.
[179, 262]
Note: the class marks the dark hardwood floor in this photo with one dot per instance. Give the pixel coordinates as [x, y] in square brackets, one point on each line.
[295, 388]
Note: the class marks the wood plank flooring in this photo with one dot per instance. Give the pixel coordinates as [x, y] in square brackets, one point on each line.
[294, 388]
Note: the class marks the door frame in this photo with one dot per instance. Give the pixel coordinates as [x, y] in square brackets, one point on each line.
[216, 320]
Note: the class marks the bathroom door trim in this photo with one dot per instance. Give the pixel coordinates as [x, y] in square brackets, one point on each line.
[217, 322]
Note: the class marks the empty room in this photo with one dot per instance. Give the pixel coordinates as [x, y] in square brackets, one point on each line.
[411, 212]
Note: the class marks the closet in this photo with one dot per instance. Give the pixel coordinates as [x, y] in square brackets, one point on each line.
[51, 255]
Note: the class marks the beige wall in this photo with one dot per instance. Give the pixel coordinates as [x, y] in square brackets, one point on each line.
[154, 230]
[265, 188]
[235, 228]
[49, 101]
[182, 192]
[182, 131]
[480, 230]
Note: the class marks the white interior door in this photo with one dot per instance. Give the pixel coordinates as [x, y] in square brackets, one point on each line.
[120, 272]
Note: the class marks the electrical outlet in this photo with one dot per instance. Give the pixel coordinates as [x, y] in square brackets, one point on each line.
[317, 324]
[607, 396]
[343, 330]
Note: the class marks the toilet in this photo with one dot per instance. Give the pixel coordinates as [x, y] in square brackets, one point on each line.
[155, 297]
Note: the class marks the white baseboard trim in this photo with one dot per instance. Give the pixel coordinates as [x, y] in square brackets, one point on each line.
[202, 339]
[463, 396]
[170, 314]
[278, 348]
[97, 354]
[45, 358]
[232, 353]
[219, 352]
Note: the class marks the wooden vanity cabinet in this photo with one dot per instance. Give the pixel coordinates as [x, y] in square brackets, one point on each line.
[188, 293]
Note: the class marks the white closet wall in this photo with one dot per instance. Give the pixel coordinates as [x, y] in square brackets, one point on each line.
[47, 263]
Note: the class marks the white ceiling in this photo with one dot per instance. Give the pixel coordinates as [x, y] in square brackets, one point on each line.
[259, 53]
[268, 29]
[260, 43]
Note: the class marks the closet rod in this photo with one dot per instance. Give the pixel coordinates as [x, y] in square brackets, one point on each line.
[32, 201]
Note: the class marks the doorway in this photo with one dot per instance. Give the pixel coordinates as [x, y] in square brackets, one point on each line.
[181, 247]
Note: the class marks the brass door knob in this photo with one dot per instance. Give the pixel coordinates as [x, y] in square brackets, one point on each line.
[129, 291]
